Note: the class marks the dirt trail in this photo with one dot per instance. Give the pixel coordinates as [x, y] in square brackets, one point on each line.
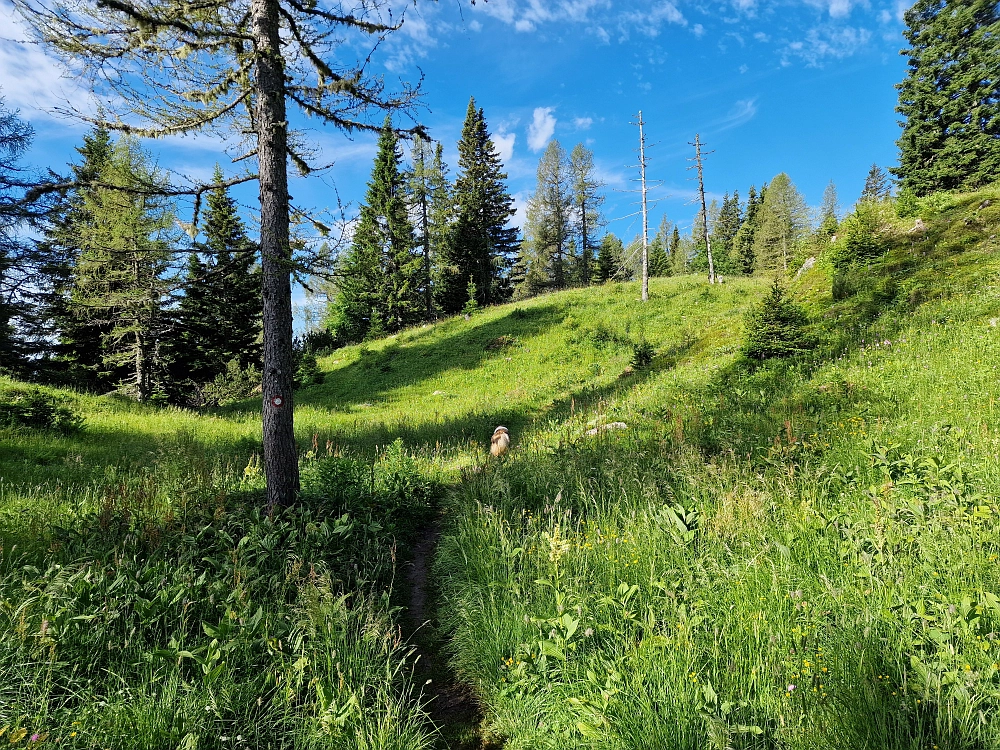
[453, 705]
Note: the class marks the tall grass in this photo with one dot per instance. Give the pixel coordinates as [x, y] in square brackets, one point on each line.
[798, 555]
[163, 609]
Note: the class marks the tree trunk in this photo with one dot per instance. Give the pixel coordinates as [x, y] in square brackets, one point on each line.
[281, 467]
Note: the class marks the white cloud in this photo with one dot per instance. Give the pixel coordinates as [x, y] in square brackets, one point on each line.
[741, 112]
[649, 22]
[542, 126]
[475, 25]
[30, 79]
[414, 39]
[583, 123]
[505, 144]
[823, 43]
[760, 36]
[743, 69]
[840, 8]
[896, 14]
[521, 208]
[698, 30]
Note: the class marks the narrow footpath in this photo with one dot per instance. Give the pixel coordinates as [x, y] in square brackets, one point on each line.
[453, 706]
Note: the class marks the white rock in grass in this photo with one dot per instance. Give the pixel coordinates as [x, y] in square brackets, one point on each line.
[610, 426]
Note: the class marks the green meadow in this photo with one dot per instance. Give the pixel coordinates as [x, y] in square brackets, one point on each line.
[683, 549]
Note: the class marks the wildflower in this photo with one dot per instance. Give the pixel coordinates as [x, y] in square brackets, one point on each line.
[790, 688]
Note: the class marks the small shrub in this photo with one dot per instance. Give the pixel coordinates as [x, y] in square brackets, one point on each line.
[906, 204]
[776, 327]
[501, 342]
[472, 304]
[308, 372]
[36, 409]
[235, 384]
[642, 354]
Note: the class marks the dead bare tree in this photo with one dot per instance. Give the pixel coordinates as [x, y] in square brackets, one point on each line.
[698, 159]
[173, 67]
[645, 211]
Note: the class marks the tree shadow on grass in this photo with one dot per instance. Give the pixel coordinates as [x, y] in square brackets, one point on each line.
[477, 425]
[409, 359]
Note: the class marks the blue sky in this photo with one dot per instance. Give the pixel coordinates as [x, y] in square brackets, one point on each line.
[800, 86]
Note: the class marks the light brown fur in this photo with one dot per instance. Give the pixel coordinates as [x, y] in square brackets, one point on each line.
[500, 442]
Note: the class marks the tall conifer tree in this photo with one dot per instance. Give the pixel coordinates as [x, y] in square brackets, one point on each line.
[379, 286]
[950, 98]
[120, 274]
[481, 246]
[745, 239]
[724, 234]
[783, 221]
[548, 230]
[76, 335]
[219, 317]
[587, 202]
[678, 261]
[659, 250]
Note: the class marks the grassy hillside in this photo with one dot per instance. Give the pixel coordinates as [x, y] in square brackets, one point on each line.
[798, 554]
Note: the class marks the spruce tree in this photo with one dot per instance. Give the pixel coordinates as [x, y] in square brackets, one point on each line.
[950, 98]
[776, 327]
[218, 318]
[481, 246]
[724, 234]
[743, 242]
[609, 256]
[379, 288]
[659, 250]
[15, 137]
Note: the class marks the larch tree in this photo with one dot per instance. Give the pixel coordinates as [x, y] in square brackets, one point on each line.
[236, 66]
[441, 212]
[422, 179]
[587, 202]
[950, 98]
[829, 213]
[876, 185]
[784, 218]
[548, 229]
[120, 281]
[76, 337]
[678, 260]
